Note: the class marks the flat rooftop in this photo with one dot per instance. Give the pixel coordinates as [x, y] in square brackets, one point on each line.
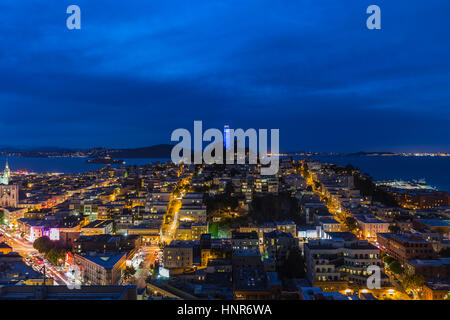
[106, 260]
[430, 263]
[12, 292]
[98, 224]
[244, 235]
[250, 279]
[434, 222]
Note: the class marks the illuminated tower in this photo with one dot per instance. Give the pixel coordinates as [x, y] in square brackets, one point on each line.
[7, 171]
[4, 179]
[9, 194]
[227, 137]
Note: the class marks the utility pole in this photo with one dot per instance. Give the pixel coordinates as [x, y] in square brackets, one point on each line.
[43, 282]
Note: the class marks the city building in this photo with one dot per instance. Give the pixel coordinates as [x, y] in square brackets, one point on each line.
[13, 270]
[53, 292]
[287, 226]
[184, 232]
[436, 290]
[198, 229]
[370, 226]
[101, 268]
[245, 241]
[103, 243]
[422, 199]
[336, 264]
[9, 196]
[5, 248]
[245, 258]
[179, 254]
[316, 293]
[11, 215]
[250, 283]
[278, 244]
[97, 227]
[148, 231]
[266, 185]
[4, 178]
[431, 269]
[403, 247]
[437, 225]
[329, 224]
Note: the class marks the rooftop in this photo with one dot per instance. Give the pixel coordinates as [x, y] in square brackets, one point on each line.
[14, 292]
[244, 235]
[399, 237]
[106, 260]
[3, 245]
[277, 234]
[438, 285]
[105, 238]
[98, 224]
[429, 263]
[434, 222]
[249, 279]
[182, 244]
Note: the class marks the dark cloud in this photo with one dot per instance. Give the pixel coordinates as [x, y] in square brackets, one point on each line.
[138, 70]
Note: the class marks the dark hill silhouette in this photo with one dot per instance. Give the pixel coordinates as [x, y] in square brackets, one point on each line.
[156, 151]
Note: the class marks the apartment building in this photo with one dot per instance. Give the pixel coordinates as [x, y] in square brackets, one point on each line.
[337, 263]
[179, 254]
[407, 246]
[101, 269]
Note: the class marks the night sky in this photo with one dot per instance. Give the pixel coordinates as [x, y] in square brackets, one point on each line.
[137, 70]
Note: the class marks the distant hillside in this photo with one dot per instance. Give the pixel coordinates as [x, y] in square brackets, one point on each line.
[156, 151]
[35, 149]
[362, 153]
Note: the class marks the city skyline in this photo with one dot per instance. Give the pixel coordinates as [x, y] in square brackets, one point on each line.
[135, 72]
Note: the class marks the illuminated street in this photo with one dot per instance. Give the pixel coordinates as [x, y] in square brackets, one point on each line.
[37, 262]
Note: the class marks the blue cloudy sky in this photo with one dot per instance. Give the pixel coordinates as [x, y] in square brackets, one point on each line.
[137, 70]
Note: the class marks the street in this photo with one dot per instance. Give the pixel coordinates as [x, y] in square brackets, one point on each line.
[32, 257]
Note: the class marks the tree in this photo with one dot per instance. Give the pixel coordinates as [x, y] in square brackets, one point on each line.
[1, 217]
[388, 260]
[445, 253]
[234, 172]
[55, 255]
[305, 171]
[222, 228]
[350, 223]
[229, 188]
[413, 283]
[128, 272]
[43, 244]
[394, 228]
[317, 185]
[349, 169]
[367, 187]
[53, 250]
[222, 202]
[272, 207]
[396, 267]
[294, 267]
[162, 245]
